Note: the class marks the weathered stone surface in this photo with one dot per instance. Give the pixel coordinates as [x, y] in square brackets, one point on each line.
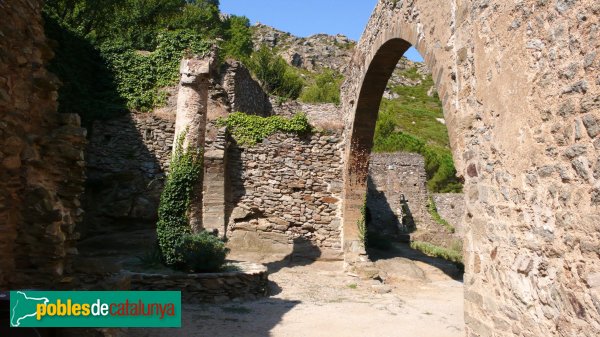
[512, 95]
[126, 161]
[280, 186]
[41, 156]
[248, 282]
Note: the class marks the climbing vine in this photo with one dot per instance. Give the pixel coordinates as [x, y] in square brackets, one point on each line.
[139, 76]
[250, 129]
[173, 222]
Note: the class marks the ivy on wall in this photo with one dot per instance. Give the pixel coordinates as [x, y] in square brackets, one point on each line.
[251, 129]
[140, 75]
[173, 221]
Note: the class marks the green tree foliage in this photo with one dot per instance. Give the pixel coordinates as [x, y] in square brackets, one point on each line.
[115, 55]
[326, 88]
[173, 222]
[250, 129]
[136, 22]
[274, 74]
[238, 38]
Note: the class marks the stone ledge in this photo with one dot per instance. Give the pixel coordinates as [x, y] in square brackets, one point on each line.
[249, 283]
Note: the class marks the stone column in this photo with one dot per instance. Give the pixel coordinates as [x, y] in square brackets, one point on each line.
[191, 119]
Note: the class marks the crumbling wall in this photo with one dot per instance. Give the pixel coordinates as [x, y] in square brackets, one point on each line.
[126, 161]
[288, 187]
[41, 157]
[394, 178]
[244, 93]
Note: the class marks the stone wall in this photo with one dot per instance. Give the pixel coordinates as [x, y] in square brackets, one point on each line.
[451, 207]
[249, 282]
[41, 157]
[521, 97]
[245, 94]
[126, 162]
[289, 186]
[394, 177]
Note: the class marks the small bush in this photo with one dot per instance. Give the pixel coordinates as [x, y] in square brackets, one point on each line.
[202, 253]
[326, 88]
[251, 129]
[274, 74]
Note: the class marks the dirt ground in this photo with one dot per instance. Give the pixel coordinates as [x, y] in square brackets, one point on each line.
[416, 297]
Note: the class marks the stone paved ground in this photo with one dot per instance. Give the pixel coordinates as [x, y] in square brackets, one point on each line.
[310, 298]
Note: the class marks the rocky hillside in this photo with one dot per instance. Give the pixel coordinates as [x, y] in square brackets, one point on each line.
[320, 51]
[310, 53]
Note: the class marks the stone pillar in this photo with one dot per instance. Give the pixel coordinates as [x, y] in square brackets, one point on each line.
[192, 109]
[213, 199]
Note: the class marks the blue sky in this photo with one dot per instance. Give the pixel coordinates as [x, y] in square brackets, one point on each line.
[308, 17]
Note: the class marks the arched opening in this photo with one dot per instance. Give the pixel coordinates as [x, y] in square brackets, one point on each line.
[390, 214]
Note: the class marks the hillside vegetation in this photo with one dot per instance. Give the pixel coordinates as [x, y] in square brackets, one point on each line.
[409, 122]
[114, 56]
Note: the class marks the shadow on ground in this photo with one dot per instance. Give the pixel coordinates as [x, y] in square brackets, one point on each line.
[403, 250]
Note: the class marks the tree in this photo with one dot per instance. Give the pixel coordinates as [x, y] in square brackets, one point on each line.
[238, 38]
[274, 74]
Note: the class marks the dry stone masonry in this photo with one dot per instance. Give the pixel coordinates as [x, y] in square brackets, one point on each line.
[519, 87]
[41, 157]
[288, 186]
[126, 161]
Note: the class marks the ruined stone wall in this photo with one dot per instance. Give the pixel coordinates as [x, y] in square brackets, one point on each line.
[126, 160]
[245, 94]
[287, 186]
[520, 90]
[451, 207]
[391, 176]
[41, 157]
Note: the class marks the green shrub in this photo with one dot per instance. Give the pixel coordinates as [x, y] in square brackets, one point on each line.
[436, 251]
[238, 38]
[202, 253]
[274, 74]
[173, 223]
[251, 129]
[326, 88]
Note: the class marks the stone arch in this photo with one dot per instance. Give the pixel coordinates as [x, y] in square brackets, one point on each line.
[375, 59]
[521, 96]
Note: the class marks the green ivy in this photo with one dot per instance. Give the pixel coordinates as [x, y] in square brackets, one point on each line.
[139, 76]
[173, 222]
[251, 129]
